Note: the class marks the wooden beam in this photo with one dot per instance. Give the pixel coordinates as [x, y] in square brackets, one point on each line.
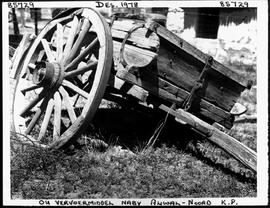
[240, 152]
[134, 91]
[169, 92]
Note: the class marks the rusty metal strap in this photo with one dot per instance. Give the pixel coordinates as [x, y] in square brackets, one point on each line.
[200, 85]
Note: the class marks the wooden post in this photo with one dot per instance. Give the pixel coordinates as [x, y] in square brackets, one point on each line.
[15, 23]
[36, 20]
[235, 148]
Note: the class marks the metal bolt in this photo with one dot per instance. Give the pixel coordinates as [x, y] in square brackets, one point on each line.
[171, 63]
[210, 60]
[181, 43]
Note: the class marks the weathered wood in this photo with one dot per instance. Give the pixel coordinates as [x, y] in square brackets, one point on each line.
[33, 102]
[238, 109]
[174, 94]
[137, 56]
[57, 116]
[199, 55]
[71, 37]
[246, 119]
[48, 51]
[240, 152]
[137, 38]
[135, 90]
[20, 53]
[82, 70]
[181, 63]
[141, 45]
[76, 89]
[81, 56]
[78, 43]
[53, 41]
[183, 73]
[46, 119]
[67, 102]
[37, 115]
[32, 87]
[60, 42]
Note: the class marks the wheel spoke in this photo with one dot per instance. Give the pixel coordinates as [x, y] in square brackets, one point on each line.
[33, 87]
[46, 119]
[71, 37]
[60, 39]
[67, 102]
[33, 103]
[57, 116]
[77, 45]
[48, 51]
[31, 66]
[37, 116]
[79, 58]
[81, 70]
[40, 55]
[75, 88]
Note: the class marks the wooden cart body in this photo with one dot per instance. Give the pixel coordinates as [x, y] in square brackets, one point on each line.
[170, 68]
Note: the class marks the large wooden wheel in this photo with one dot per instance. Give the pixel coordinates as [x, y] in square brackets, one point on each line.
[63, 78]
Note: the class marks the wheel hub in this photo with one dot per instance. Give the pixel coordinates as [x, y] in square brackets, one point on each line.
[47, 74]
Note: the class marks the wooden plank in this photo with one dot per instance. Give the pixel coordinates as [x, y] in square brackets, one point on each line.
[240, 152]
[140, 56]
[174, 94]
[178, 70]
[134, 91]
[138, 37]
[197, 54]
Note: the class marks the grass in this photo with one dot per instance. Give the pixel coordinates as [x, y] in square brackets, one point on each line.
[164, 172]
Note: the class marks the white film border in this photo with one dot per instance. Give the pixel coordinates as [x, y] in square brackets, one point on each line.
[261, 36]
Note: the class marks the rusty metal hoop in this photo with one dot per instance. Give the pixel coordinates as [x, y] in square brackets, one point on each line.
[63, 78]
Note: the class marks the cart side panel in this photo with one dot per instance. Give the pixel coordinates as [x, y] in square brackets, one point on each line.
[184, 72]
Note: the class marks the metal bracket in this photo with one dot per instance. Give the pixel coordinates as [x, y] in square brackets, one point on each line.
[122, 60]
[192, 101]
[152, 27]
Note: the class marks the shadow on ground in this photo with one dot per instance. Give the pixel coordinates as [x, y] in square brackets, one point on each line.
[132, 128]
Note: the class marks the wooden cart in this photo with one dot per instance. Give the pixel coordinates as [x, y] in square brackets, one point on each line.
[79, 58]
